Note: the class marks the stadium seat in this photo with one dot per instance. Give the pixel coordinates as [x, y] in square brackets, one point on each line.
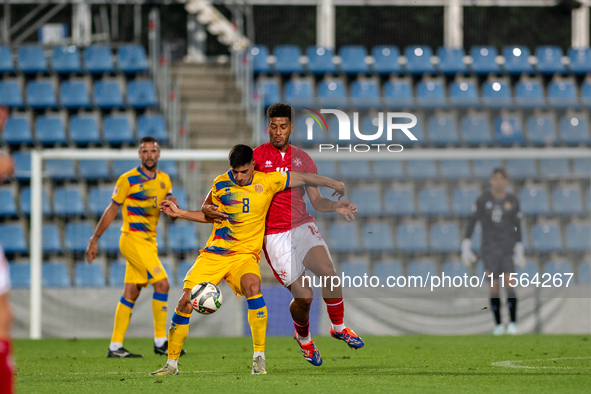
[411, 237]
[77, 235]
[89, 275]
[152, 125]
[550, 59]
[132, 59]
[344, 237]
[11, 94]
[509, 130]
[431, 95]
[109, 241]
[418, 131]
[181, 197]
[74, 94]
[51, 239]
[107, 94]
[387, 268]
[577, 237]
[584, 273]
[22, 165]
[352, 269]
[423, 268]
[385, 59]
[365, 95]
[452, 269]
[160, 239]
[441, 130]
[117, 274]
[463, 94]
[418, 60]
[355, 169]
[259, 55]
[117, 130]
[580, 60]
[531, 269]
[484, 60]
[60, 169]
[451, 60]
[182, 269]
[7, 203]
[141, 94]
[463, 199]
[20, 275]
[169, 167]
[327, 168]
[55, 275]
[377, 237]
[476, 238]
[50, 130]
[421, 169]
[529, 95]
[182, 238]
[546, 238]
[562, 95]
[533, 200]
[581, 167]
[94, 170]
[320, 60]
[398, 94]
[445, 237]
[433, 201]
[17, 130]
[558, 266]
[98, 59]
[12, 238]
[368, 200]
[271, 94]
[555, 168]
[521, 168]
[41, 94]
[332, 94]
[455, 169]
[574, 129]
[288, 59]
[167, 265]
[586, 94]
[517, 60]
[67, 201]
[84, 130]
[98, 199]
[66, 60]
[353, 59]
[541, 129]
[301, 88]
[483, 168]
[6, 64]
[370, 125]
[567, 201]
[399, 201]
[122, 166]
[496, 95]
[388, 169]
[31, 59]
[25, 202]
[475, 130]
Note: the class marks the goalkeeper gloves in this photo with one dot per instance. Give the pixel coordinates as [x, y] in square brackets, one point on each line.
[468, 258]
[519, 255]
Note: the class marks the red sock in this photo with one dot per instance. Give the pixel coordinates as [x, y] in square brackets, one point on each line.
[336, 311]
[5, 368]
[302, 329]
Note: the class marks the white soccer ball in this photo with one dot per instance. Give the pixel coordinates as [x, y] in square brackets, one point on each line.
[206, 298]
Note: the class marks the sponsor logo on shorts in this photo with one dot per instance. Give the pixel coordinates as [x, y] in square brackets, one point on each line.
[157, 270]
[258, 188]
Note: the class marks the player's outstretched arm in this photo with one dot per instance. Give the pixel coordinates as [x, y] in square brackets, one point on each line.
[172, 210]
[297, 179]
[172, 199]
[211, 211]
[323, 204]
[106, 220]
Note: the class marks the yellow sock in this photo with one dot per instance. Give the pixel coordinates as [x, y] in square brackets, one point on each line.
[159, 311]
[122, 317]
[178, 332]
[257, 319]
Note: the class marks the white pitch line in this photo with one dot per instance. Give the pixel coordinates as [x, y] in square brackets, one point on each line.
[127, 373]
[512, 363]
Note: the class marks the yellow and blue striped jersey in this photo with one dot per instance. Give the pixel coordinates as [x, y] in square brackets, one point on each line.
[246, 207]
[140, 196]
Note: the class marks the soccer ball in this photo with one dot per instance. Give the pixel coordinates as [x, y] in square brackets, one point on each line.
[206, 298]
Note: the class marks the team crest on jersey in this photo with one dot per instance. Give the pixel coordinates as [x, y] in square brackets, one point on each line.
[162, 185]
[508, 205]
[268, 164]
[297, 162]
[258, 188]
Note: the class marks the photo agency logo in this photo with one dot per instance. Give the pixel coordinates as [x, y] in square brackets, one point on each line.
[393, 120]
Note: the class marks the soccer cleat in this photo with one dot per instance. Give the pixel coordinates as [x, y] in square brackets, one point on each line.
[349, 336]
[258, 366]
[310, 351]
[163, 350]
[499, 330]
[122, 353]
[512, 328]
[166, 370]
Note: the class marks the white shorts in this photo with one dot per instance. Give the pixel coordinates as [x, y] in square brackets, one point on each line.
[286, 251]
[4, 273]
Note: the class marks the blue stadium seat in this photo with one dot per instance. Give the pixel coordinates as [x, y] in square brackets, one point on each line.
[580, 60]
[483, 168]
[270, 88]
[398, 94]
[562, 95]
[25, 202]
[152, 125]
[421, 169]
[365, 95]
[464, 94]
[298, 88]
[555, 168]
[418, 131]
[496, 95]
[377, 237]
[484, 60]
[117, 273]
[51, 239]
[122, 166]
[320, 60]
[182, 269]
[574, 129]
[584, 273]
[388, 169]
[433, 201]
[509, 130]
[182, 238]
[41, 94]
[132, 59]
[109, 241]
[517, 60]
[11, 94]
[546, 238]
[586, 94]
[7, 203]
[559, 266]
[531, 269]
[475, 130]
[17, 130]
[169, 167]
[327, 168]
[6, 65]
[411, 237]
[399, 201]
[581, 167]
[84, 130]
[441, 130]
[454, 169]
[299, 137]
[445, 237]
[89, 275]
[181, 197]
[418, 59]
[12, 238]
[370, 125]
[20, 275]
[141, 94]
[368, 200]
[424, 268]
[98, 59]
[60, 169]
[529, 95]
[167, 265]
[98, 199]
[550, 59]
[355, 169]
[521, 168]
[50, 130]
[332, 94]
[451, 60]
[476, 238]
[74, 94]
[454, 268]
[107, 94]
[66, 60]
[541, 129]
[77, 235]
[259, 56]
[387, 268]
[385, 59]
[463, 199]
[344, 237]
[533, 200]
[31, 59]
[288, 59]
[353, 59]
[431, 95]
[117, 130]
[567, 201]
[352, 269]
[577, 237]
[93, 170]
[22, 165]
[55, 275]
[67, 201]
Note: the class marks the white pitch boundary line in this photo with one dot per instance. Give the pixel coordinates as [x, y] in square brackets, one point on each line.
[512, 363]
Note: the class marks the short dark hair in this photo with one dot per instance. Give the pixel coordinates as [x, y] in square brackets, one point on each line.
[499, 170]
[240, 155]
[279, 110]
[148, 138]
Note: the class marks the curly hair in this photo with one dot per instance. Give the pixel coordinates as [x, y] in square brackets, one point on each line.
[279, 110]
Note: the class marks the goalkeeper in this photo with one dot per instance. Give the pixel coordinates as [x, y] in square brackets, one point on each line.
[502, 249]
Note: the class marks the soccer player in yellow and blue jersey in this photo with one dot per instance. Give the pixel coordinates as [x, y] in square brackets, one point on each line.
[233, 249]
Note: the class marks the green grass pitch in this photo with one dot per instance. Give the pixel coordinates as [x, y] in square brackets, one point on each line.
[406, 364]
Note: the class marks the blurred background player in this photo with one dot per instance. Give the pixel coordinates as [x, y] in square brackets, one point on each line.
[233, 249]
[139, 190]
[499, 215]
